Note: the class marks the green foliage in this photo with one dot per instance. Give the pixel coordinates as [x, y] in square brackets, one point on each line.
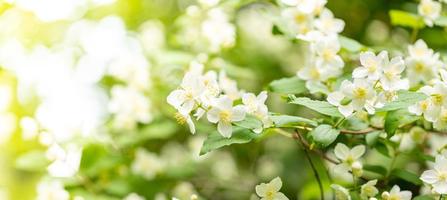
[404, 100]
[250, 122]
[407, 176]
[322, 107]
[398, 118]
[287, 121]
[406, 19]
[324, 135]
[292, 85]
[350, 44]
[215, 140]
[376, 169]
[34, 161]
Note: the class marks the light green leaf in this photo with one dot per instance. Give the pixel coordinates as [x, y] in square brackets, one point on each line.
[424, 197]
[32, 161]
[371, 138]
[406, 175]
[159, 130]
[250, 122]
[285, 121]
[322, 107]
[324, 135]
[406, 19]
[397, 118]
[441, 21]
[292, 85]
[404, 100]
[350, 44]
[215, 140]
[382, 149]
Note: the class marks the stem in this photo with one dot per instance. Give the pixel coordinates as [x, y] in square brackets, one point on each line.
[298, 137]
[314, 169]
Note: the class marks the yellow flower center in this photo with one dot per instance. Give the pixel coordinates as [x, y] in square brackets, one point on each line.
[270, 194]
[327, 55]
[419, 67]
[300, 18]
[360, 92]
[315, 74]
[225, 116]
[427, 8]
[437, 99]
[372, 68]
[443, 176]
[180, 118]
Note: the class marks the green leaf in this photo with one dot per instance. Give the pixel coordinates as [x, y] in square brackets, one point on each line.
[424, 197]
[404, 100]
[398, 118]
[382, 149]
[215, 140]
[276, 30]
[287, 121]
[34, 161]
[371, 138]
[406, 19]
[250, 122]
[407, 176]
[322, 107]
[376, 169]
[350, 44]
[292, 85]
[157, 130]
[324, 135]
[441, 21]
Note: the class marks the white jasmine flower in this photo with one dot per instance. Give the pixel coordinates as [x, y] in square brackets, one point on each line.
[441, 120]
[298, 23]
[270, 191]
[29, 127]
[147, 164]
[186, 98]
[369, 189]
[228, 86]
[54, 10]
[131, 68]
[65, 162]
[133, 196]
[341, 193]
[422, 63]
[53, 190]
[391, 78]
[314, 74]
[326, 49]
[185, 118]
[129, 106]
[349, 156]
[255, 105]
[327, 24]
[396, 194]
[372, 65]
[385, 97]
[359, 94]
[430, 10]
[437, 177]
[219, 32]
[223, 113]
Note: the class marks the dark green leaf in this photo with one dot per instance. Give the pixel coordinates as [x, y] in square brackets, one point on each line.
[350, 44]
[405, 99]
[292, 85]
[407, 176]
[284, 121]
[376, 169]
[406, 19]
[276, 30]
[215, 140]
[324, 135]
[398, 118]
[382, 149]
[322, 107]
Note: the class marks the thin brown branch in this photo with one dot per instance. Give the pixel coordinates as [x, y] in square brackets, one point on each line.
[306, 145]
[359, 132]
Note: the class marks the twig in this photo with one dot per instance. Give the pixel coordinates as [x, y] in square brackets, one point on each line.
[359, 132]
[298, 137]
[314, 169]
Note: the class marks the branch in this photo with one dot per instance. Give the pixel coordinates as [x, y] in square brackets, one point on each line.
[359, 132]
[299, 138]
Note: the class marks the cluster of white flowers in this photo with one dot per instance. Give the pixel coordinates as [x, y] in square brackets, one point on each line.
[349, 159]
[205, 93]
[310, 21]
[375, 83]
[369, 192]
[430, 10]
[147, 164]
[270, 191]
[436, 178]
[423, 64]
[207, 27]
